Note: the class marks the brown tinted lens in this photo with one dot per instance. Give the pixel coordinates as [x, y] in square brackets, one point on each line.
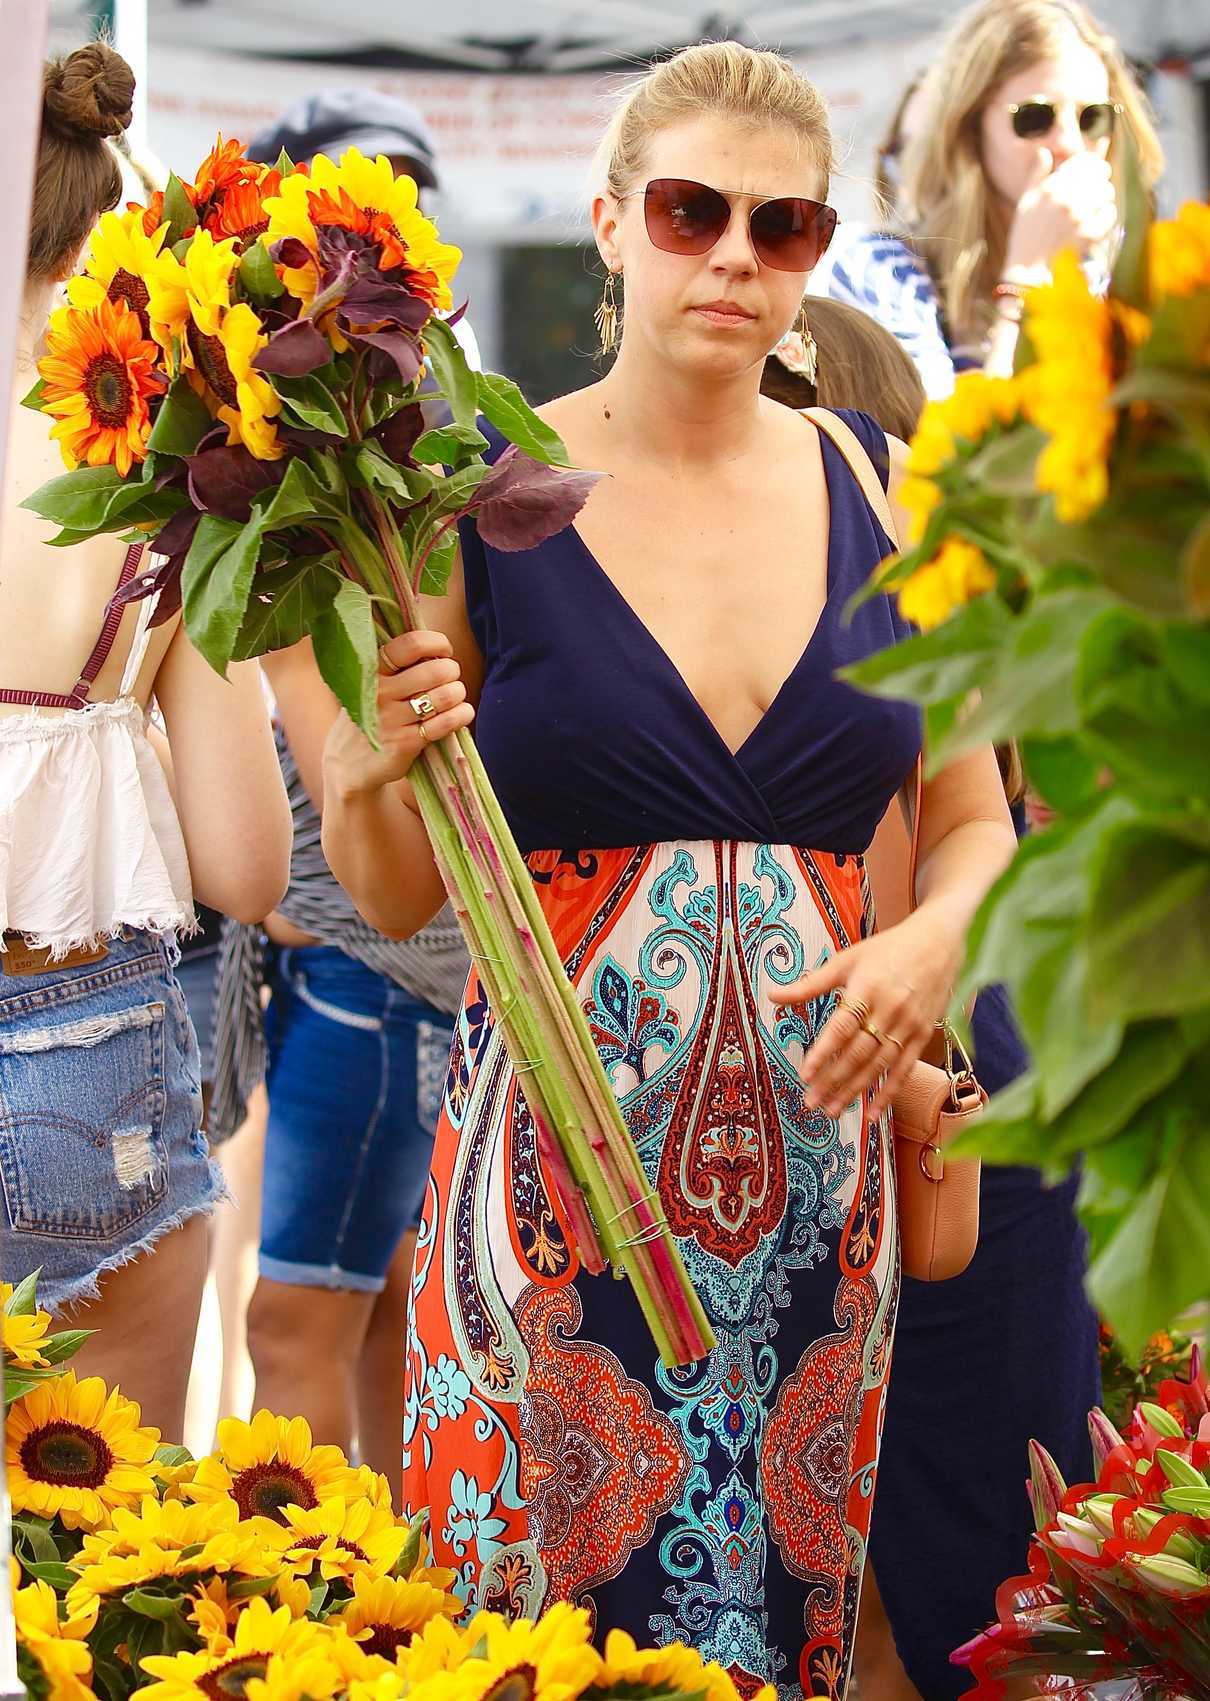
[684, 217]
[1033, 118]
[1096, 120]
[790, 234]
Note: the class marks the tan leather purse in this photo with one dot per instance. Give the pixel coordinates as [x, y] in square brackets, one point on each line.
[938, 1199]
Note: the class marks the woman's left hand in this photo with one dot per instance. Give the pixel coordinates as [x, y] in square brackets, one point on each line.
[903, 978]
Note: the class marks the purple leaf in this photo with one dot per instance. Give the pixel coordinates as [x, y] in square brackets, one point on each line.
[175, 537]
[452, 319]
[376, 299]
[401, 432]
[291, 252]
[223, 481]
[294, 351]
[163, 576]
[522, 502]
[403, 350]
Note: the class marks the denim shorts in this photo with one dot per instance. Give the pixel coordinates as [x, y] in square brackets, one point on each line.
[356, 1077]
[101, 1149]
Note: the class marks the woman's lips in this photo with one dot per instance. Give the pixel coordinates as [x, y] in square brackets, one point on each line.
[724, 313]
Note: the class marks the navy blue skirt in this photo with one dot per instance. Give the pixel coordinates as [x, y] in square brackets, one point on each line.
[1006, 1352]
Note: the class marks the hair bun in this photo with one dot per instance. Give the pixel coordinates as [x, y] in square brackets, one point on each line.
[90, 92]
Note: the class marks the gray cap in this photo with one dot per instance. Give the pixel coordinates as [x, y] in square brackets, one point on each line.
[336, 119]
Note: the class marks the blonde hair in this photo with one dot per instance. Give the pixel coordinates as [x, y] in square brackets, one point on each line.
[860, 365]
[946, 199]
[712, 77]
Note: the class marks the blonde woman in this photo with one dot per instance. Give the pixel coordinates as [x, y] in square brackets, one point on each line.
[1015, 154]
[693, 787]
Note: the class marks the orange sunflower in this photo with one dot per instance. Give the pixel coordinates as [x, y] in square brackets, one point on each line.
[99, 373]
[224, 165]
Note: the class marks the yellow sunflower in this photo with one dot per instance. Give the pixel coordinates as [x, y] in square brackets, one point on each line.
[439, 1647]
[24, 1336]
[99, 373]
[956, 574]
[551, 1659]
[58, 1647]
[340, 1537]
[1179, 252]
[193, 291]
[674, 1668]
[76, 1451]
[269, 1464]
[387, 1612]
[122, 259]
[166, 1539]
[261, 1632]
[366, 197]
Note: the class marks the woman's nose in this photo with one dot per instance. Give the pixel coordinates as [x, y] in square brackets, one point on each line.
[733, 251]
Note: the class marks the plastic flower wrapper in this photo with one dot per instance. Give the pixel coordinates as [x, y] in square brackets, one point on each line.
[1118, 1586]
[1057, 567]
[236, 381]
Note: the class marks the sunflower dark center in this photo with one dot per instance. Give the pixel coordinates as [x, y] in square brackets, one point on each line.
[263, 1490]
[516, 1685]
[251, 231]
[108, 388]
[66, 1454]
[231, 1680]
[385, 1640]
[211, 360]
[124, 286]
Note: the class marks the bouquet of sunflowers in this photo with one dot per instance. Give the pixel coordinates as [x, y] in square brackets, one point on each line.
[1119, 1572]
[236, 381]
[1059, 571]
[271, 1570]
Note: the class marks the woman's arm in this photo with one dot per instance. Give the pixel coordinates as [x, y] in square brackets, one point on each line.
[306, 709]
[373, 837]
[226, 781]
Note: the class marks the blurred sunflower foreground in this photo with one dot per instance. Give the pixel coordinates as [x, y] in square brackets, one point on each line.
[271, 1570]
[1057, 566]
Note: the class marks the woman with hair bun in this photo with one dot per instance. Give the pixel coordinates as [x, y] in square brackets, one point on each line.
[659, 712]
[105, 1172]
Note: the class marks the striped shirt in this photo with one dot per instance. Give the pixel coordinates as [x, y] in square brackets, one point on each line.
[432, 965]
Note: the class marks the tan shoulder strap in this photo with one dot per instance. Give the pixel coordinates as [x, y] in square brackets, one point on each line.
[862, 469]
[860, 465]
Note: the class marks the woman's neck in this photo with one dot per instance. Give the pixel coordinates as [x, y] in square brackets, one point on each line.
[676, 417]
[36, 302]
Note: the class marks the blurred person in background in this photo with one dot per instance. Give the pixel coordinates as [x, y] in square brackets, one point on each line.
[1012, 152]
[107, 1179]
[354, 1044]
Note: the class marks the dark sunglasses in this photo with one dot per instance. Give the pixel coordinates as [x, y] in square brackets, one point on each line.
[1033, 119]
[788, 234]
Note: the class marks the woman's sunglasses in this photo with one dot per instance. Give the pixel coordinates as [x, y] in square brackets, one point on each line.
[1033, 119]
[788, 234]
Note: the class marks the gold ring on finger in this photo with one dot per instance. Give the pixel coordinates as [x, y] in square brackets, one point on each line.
[422, 707]
[420, 729]
[891, 1040]
[875, 1033]
[858, 1006]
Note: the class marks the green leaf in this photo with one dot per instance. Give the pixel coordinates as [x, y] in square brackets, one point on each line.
[182, 422]
[258, 274]
[285, 603]
[937, 666]
[215, 585]
[284, 164]
[319, 1599]
[245, 1588]
[449, 445]
[1061, 771]
[1007, 465]
[438, 564]
[179, 211]
[313, 405]
[409, 1556]
[502, 403]
[346, 650]
[1129, 282]
[23, 1301]
[59, 1576]
[173, 1457]
[82, 500]
[65, 1345]
[454, 377]
[1149, 924]
[33, 1537]
[1154, 1266]
[375, 469]
[1195, 570]
[301, 496]
[1140, 719]
[33, 398]
[147, 1605]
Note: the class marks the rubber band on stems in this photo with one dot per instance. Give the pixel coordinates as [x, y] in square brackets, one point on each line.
[643, 1199]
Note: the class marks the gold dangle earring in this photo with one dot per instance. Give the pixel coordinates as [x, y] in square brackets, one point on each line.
[606, 316]
[810, 348]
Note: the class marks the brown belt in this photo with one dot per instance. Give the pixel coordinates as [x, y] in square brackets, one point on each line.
[19, 957]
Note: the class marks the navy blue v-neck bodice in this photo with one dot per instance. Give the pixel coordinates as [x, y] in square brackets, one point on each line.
[593, 739]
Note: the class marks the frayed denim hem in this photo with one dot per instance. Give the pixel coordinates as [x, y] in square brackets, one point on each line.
[62, 1298]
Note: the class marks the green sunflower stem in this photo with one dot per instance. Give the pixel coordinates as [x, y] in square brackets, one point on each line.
[610, 1204]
